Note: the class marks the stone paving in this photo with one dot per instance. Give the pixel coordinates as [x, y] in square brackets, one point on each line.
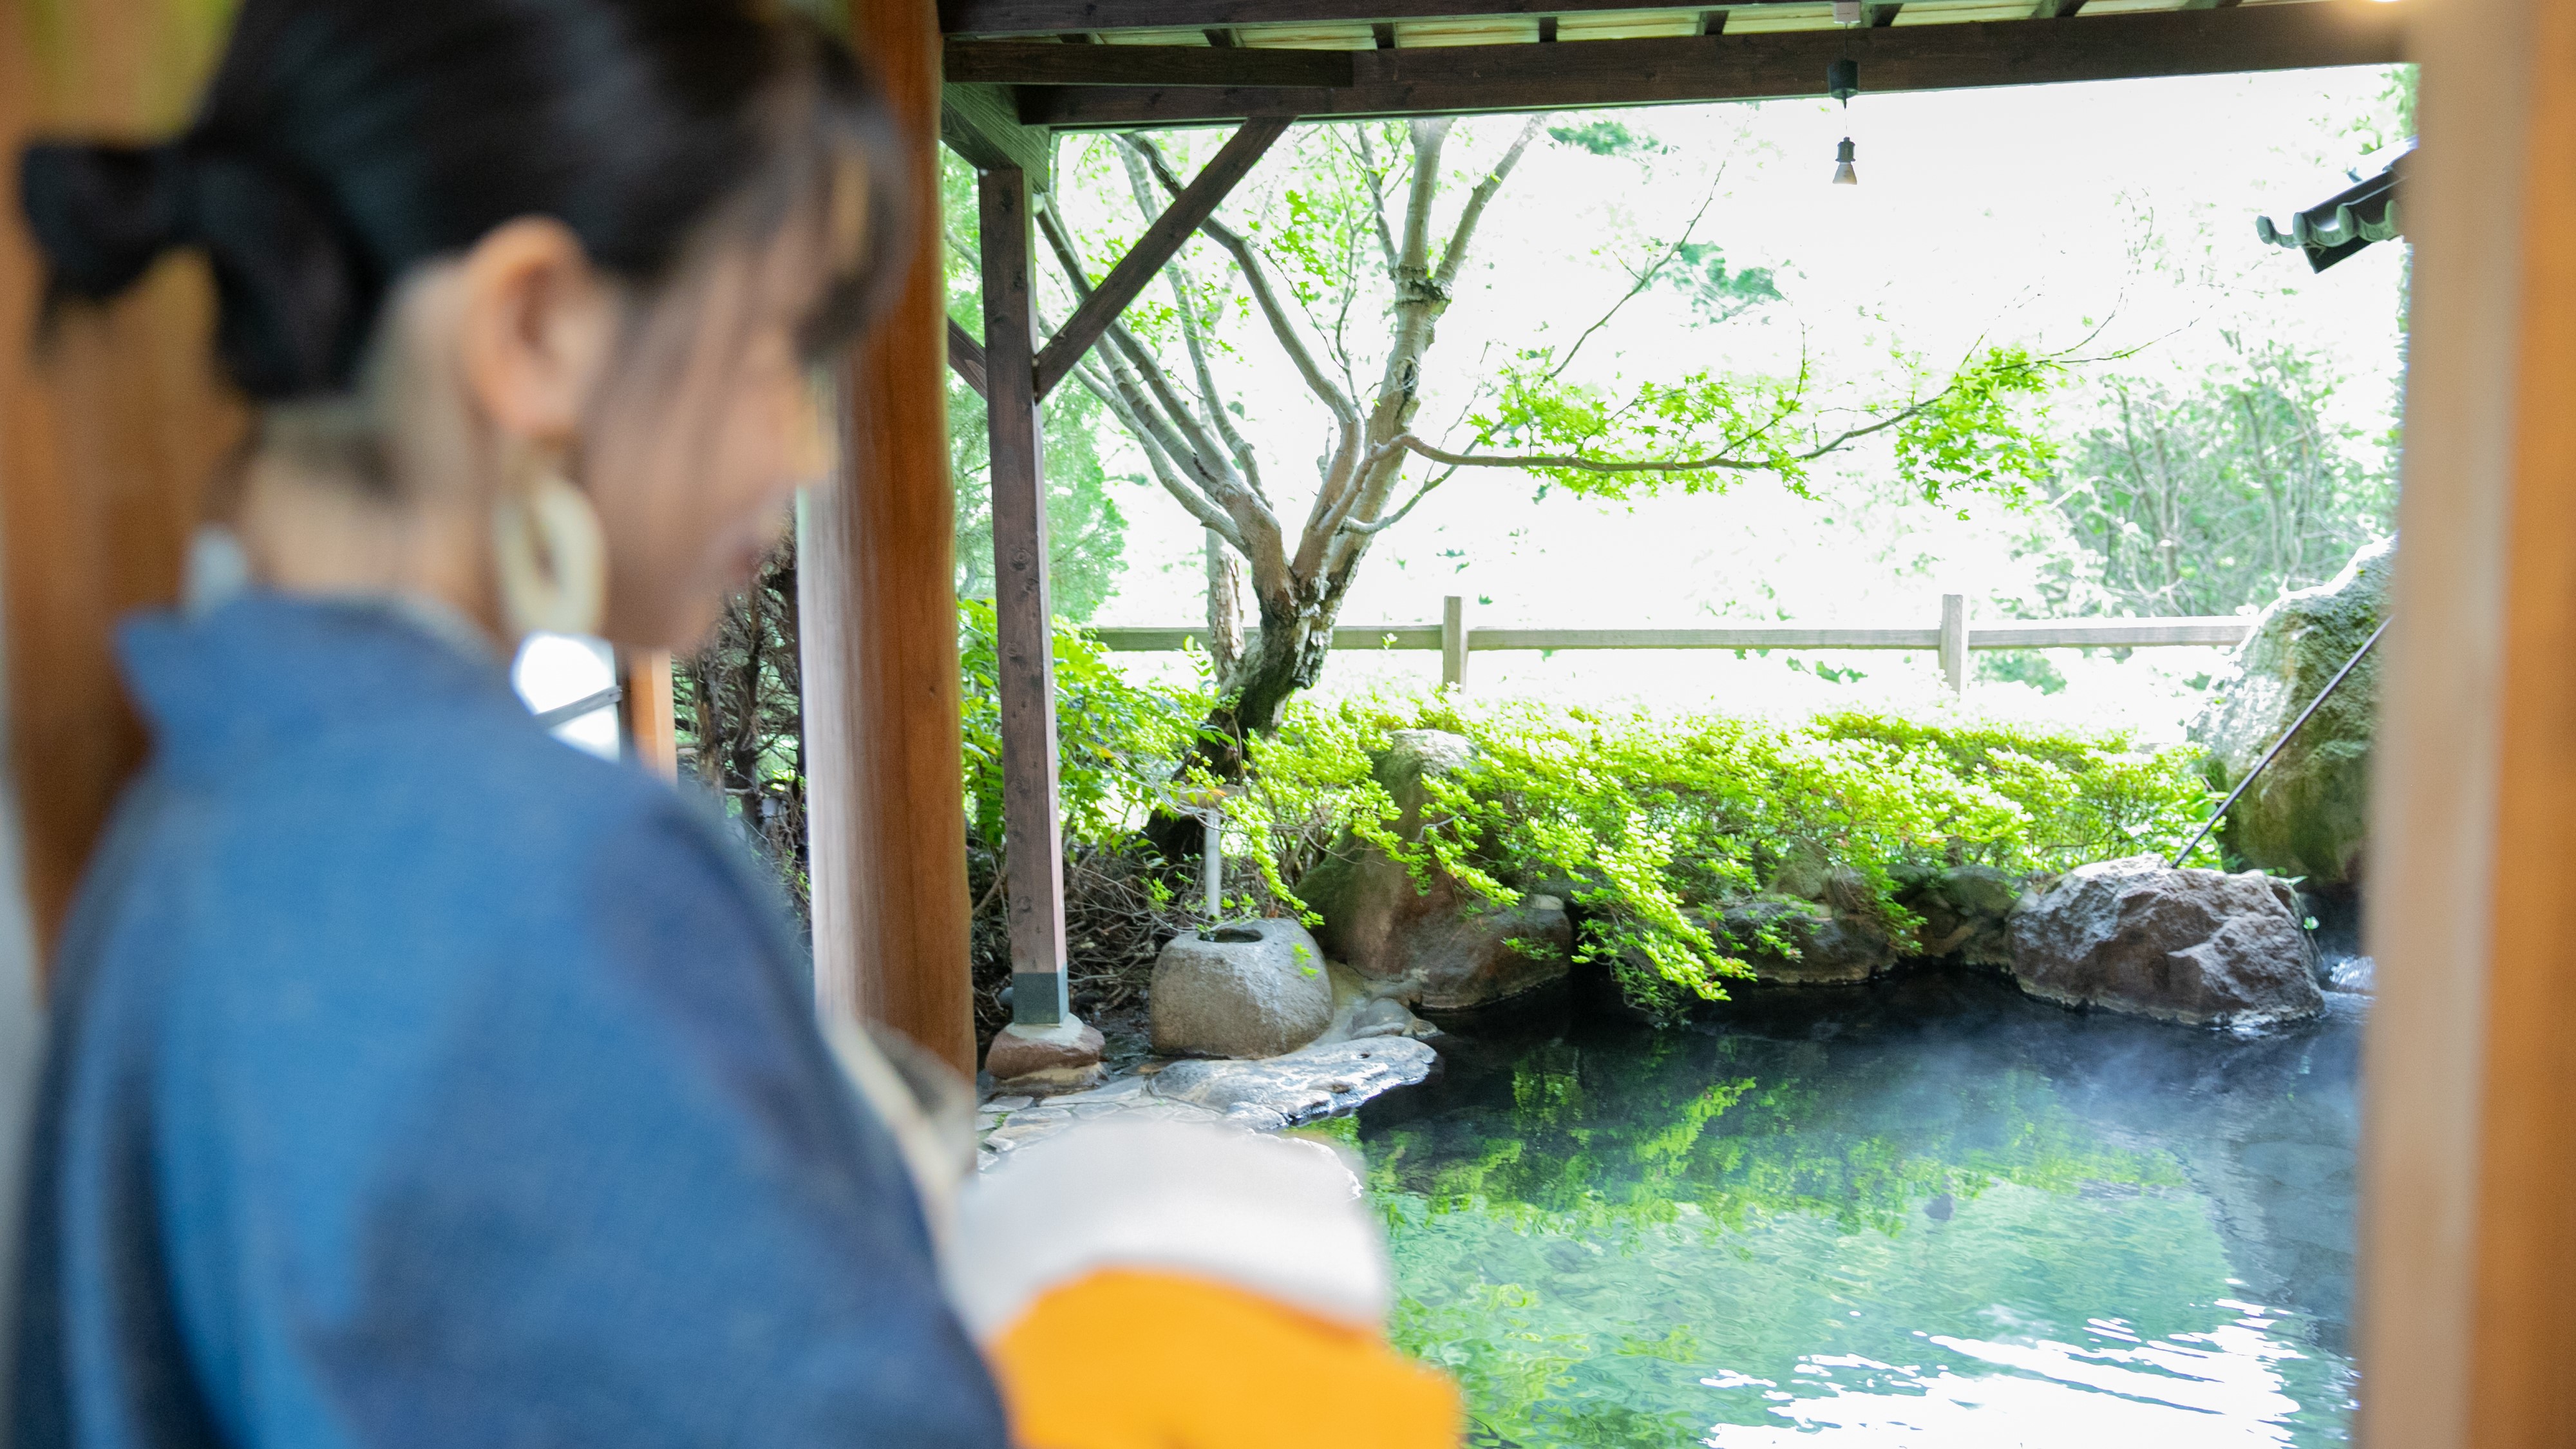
[1319, 1081]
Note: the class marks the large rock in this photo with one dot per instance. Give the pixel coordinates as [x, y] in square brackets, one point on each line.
[2309, 814]
[2195, 946]
[1039, 1059]
[1455, 950]
[1323, 1080]
[1245, 989]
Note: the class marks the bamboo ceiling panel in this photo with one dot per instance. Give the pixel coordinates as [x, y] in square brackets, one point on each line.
[1308, 37]
[1770, 19]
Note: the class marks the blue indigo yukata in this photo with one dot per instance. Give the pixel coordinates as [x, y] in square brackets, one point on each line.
[419, 1080]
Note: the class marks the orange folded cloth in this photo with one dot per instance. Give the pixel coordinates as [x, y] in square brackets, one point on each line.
[1124, 1359]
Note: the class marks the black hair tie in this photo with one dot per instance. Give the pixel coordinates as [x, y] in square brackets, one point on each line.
[104, 214]
[294, 289]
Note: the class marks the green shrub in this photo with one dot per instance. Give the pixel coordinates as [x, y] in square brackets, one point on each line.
[1650, 822]
[1117, 742]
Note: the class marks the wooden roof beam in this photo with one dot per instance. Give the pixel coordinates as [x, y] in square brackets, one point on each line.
[981, 123]
[1759, 66]
[1042, 62]
[1052, 17]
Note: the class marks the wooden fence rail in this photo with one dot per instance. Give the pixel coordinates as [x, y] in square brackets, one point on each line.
[1952, 638]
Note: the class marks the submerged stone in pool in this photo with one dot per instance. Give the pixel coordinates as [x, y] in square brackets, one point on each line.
[1960, 1218]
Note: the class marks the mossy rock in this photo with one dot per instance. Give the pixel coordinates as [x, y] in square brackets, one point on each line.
[2309, 814]
[1454, 950]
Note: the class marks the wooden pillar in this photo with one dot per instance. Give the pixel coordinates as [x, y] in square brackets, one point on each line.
[1023, 608]
[878, 610]
[108, 438]
[2468, 1261]
[647, 724]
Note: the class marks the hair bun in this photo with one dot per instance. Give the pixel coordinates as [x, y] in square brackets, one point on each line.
[295, 293]
[103, 214]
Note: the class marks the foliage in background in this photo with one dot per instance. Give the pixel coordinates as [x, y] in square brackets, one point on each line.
[738, 711]
[1653, 822]
[1349, 251]
[1117, 744]
[2225, 493]
[1650, 822]
[1086, 533]
[1116, 740]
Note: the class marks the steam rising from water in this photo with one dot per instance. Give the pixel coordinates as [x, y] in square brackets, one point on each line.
[1927, 1215]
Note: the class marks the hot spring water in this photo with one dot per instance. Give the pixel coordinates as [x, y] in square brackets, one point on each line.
[1929, 1214]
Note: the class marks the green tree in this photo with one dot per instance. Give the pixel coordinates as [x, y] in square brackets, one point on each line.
[1347, 273]
[1086, 533]
[2209, 497]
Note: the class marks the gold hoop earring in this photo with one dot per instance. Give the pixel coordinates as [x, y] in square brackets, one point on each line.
[549, 558]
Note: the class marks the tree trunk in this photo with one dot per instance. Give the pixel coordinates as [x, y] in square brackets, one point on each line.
[1224, 605]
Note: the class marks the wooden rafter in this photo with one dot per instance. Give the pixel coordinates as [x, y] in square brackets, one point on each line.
[966, 359]
[1756, 66]
[1196, 203]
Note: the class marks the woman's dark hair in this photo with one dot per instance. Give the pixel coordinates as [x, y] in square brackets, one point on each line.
[344, 141]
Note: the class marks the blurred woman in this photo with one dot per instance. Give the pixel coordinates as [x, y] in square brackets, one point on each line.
[415, 1078]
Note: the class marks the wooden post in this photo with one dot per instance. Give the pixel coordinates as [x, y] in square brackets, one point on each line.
[1954, 642]
[1453, 641]
[877, 603]
[107, 439]
[2470, 1078]
[1023, 612]
[647, 725]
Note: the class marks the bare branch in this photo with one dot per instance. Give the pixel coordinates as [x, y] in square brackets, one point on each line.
[1125, 409]
[1256, 279]
[1196, 449]
[1644, 279]
[1185, 303]
[1153, 412]
[1380, 525]
[1377, 193]
[1474, 212]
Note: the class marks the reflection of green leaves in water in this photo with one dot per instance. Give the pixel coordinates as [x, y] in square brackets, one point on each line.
[1580, 1150]
[1636, 1219]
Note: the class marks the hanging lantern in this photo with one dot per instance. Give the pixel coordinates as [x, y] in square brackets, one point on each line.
[1842, 82]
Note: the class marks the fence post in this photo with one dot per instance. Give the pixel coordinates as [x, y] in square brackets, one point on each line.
[1453, 641]
[1954, 641]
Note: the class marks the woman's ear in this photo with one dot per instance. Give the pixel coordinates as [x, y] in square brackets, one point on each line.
[534, 326]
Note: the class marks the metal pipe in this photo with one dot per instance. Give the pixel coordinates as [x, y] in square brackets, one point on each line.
[2278, 745]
